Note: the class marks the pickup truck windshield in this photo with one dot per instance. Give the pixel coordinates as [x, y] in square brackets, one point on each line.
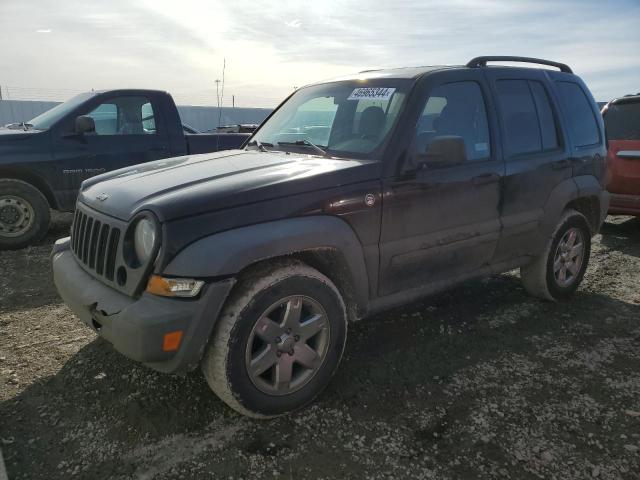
[346, 119]
[48, 118]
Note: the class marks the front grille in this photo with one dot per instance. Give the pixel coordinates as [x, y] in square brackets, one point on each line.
[95, 243]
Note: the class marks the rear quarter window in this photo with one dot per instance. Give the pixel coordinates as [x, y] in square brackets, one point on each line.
[579, 114]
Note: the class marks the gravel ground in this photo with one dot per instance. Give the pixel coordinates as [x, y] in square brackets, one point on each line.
[479, 382]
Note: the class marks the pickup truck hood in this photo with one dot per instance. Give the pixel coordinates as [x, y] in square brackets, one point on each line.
[16, 134]
[196, 184]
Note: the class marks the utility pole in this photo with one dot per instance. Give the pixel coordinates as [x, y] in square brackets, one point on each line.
[218, 92]
[233, 100]
[0, 93]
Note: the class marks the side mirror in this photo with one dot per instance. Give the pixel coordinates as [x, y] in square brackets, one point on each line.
[84, 124]
[444, 151]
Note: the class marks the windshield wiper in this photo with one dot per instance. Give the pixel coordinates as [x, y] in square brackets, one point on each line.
[307, 143]
[261, 146]
[22, 125]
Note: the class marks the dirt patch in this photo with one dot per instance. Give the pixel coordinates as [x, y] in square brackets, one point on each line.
[479, 382]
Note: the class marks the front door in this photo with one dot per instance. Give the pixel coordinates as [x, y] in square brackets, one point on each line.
[440, 218]
[128, 132]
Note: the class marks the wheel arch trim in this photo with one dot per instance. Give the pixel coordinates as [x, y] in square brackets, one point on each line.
[33, 179]
[228, 253]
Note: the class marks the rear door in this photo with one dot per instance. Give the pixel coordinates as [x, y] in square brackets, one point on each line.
[537, 157]
[439, 221]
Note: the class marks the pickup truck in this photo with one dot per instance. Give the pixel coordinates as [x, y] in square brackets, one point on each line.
[354, 196]
[44, 161]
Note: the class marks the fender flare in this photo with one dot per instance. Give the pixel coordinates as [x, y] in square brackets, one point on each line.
[563, 194]
[225, 254]
[588, 186]
[583, 186]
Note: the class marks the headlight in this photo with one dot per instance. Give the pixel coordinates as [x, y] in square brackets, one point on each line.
[144, 239]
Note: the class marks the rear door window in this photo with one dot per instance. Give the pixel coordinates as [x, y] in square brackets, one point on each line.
[548, 127]
[529, 122]
[520, 118]
[622, 121]
[578, 111]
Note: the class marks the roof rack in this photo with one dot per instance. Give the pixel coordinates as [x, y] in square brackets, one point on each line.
[482, 62]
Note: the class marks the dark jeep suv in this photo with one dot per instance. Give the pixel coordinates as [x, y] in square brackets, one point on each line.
[355, 195]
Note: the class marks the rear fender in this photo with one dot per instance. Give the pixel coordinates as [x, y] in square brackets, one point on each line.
[564, 193]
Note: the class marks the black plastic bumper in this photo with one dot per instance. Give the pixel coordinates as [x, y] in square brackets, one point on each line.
[136, 327]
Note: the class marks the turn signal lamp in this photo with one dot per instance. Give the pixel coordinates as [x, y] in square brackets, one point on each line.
[174, 287]
[171, 341]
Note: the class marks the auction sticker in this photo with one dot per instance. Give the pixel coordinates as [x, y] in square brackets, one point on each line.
[381, 93]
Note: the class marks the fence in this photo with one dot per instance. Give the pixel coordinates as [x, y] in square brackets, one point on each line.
[201, 118]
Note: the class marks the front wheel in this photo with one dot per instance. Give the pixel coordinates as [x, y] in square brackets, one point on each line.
[24, 214]
[557, 273]
[278, 340]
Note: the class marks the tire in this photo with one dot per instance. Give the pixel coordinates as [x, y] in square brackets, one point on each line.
[24, 214]
[542, 278]
[227, 359]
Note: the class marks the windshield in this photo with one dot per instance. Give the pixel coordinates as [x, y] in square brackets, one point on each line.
[48, 118]
[622, 121]
[350, 118]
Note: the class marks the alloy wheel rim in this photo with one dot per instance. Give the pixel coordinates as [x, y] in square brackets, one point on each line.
[287, 345]
[16, 216]
[568, 258]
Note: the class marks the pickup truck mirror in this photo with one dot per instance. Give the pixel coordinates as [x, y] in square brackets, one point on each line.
[443, 151]
[84, 124]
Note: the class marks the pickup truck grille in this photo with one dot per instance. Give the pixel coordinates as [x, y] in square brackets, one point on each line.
[95, 243]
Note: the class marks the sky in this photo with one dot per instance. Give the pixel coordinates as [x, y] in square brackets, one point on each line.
[52, 49]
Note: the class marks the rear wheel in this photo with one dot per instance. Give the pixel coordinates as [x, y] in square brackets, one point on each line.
[278, 341]
[24, 214]
[557, 273]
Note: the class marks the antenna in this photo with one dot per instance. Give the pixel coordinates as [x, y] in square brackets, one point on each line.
[221, 97]
[220, 100]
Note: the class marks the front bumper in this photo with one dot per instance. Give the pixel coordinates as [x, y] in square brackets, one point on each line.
[136, 326]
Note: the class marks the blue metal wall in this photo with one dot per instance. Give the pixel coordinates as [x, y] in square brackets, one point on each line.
[201, 118]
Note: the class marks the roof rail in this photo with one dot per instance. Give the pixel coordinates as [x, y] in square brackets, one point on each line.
[482, 62]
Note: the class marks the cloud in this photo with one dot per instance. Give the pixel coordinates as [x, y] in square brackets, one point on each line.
[294, 23]
[270, 46]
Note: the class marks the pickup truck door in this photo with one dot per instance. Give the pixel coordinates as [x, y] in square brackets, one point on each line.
[441, 220]
[129, 130]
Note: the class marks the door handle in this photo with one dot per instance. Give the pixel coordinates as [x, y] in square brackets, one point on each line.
[629, 154]
[485, 179]
[561, 164]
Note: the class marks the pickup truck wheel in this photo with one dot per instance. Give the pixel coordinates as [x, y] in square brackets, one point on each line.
[24, 214]
[278, 340]
[557, 273]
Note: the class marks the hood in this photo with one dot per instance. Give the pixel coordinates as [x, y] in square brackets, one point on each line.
[16, 134]
[192, 185]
